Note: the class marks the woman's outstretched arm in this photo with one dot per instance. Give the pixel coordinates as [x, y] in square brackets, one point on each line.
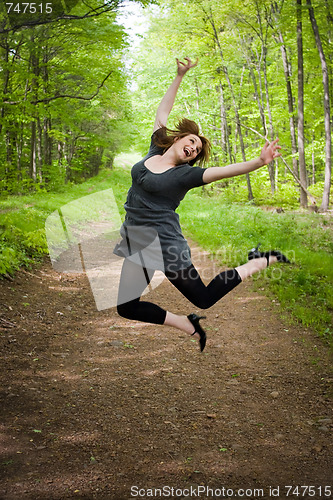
[269, 153]
[168, 100]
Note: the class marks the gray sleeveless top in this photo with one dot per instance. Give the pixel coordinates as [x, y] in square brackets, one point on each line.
[151, 221]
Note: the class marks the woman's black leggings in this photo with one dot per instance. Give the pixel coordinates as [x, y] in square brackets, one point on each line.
[134, 279]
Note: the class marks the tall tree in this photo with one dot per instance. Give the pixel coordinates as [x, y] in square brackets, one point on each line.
[288, 78]
[327, 109]
[226, 73]
[57, 117]
[301, 152]
[263, 31]
[225, 142]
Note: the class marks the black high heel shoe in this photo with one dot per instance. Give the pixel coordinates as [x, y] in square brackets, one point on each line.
[195, 322]
[255, 254]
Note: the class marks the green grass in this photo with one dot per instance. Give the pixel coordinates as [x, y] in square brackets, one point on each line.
[22, 218]
[227, 230]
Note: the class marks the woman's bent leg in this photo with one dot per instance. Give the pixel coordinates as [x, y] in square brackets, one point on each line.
[133, 281]
[189, 283]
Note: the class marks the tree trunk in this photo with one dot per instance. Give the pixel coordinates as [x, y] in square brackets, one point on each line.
[327, 110]
[9, 148]
[301, 150]
[39, 150]
[19, 150]
[287, 74]
[33, 155]
[5, 59]
[239, 130]
[197, 102]
[225, 143]
[60, 149]
[288, 77]
[47, 141]
[255, 87]
[262, 33]
[272, 176]
[271, 165]
[259, 98]
[34, 61]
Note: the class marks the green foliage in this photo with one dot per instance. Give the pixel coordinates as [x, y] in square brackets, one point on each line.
[22, 218]
[10, 259]
[242, 38]
[20, 241]
[62, 116]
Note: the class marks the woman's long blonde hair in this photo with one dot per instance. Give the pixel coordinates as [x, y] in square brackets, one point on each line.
[165, 137]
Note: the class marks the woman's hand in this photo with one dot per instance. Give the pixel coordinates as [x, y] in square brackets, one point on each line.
[183, 68]
[269, 152]
[168, 100]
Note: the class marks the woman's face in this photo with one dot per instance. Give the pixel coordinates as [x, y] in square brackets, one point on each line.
[187, 148]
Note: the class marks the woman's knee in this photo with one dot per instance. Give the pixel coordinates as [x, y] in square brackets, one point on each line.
[121, 310]
[125, 310]
[202, 302]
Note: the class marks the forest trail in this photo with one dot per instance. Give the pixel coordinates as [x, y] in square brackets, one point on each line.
[93, 405]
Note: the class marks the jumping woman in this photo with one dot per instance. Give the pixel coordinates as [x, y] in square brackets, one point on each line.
[159, 182]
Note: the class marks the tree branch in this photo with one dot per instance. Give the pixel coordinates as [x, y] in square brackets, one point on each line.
[107, 7]
[63, 96]
[312, 198]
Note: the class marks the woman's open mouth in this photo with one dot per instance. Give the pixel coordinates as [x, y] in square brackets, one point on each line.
[187, 152]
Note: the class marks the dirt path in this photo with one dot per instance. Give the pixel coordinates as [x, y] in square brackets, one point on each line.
[93, 405]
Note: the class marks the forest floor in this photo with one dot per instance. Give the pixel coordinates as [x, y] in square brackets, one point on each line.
[96, 407]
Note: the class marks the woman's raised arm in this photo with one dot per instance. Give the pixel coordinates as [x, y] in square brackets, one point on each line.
[168, 100]
[268, 153]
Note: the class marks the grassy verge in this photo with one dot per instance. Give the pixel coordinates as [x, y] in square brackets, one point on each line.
[22, 218]
[227, 230]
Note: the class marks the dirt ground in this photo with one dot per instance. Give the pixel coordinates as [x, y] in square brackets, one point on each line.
[97, 407]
